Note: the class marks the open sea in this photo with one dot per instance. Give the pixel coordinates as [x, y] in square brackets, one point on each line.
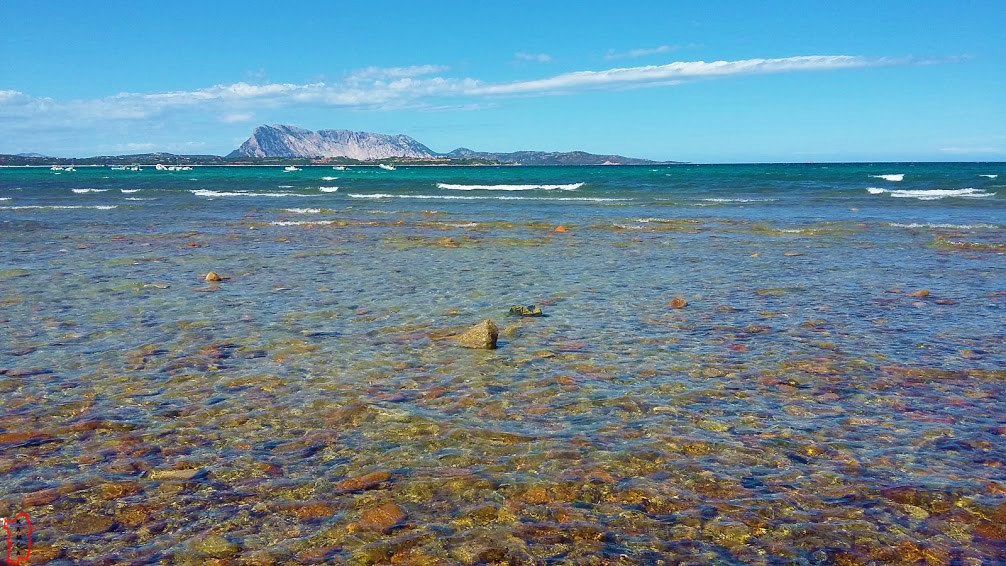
[831, 392]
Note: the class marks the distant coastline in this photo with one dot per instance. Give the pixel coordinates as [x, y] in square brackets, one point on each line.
[145, 160]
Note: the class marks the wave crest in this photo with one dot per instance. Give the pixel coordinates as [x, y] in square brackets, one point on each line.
[457, 197]
[453, 187]
[932, 194]
[216, 194]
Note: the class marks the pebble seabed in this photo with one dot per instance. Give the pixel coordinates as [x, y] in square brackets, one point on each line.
[809, 404]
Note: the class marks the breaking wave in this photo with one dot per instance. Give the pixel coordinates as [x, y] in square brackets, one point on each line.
[949, 226]
[932, 194]
[328, 189]
[216, 194]
[127, 191]
[455, 197]
[890, 177]
[301, 222]
[58, 207]
[741, 200]
[989, 176]
[81, 191]
[450, 187]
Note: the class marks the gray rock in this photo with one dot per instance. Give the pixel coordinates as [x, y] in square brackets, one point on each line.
[290, 141]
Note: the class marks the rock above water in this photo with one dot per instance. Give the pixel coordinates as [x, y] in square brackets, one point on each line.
[483, 336]
[921, 293]
[213, 277]
[521, 310]
[678, 303]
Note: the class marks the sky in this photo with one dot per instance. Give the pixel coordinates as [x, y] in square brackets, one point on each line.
[713, 82]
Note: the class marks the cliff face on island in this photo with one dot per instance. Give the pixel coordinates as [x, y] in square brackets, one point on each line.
[289, 141]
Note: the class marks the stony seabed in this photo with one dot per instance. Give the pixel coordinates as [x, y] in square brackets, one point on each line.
[706, 388]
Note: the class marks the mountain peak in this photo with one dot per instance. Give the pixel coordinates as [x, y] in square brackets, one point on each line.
[282, 140]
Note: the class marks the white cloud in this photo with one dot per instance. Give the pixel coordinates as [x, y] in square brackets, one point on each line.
[395, 72]
[678, 71]
[421, 86]
[533, 57]
[134, 146]
[237, 117]
[633, 53]
[966, 150]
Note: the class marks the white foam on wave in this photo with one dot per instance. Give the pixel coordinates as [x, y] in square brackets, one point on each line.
[949, 226]
[58, 207]
[450, 187]
[4, 198]
[140, 198]
[456, 197]
[81, 191]
[932, 194]
[989, 176]
[890, 177]
[303, 210]
[329, 178]
[284, 186]
[739, 200]
[301, 222]
[215, 194]
[328, 189]
[128, 191]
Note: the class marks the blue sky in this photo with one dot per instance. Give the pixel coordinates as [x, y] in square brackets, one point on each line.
[704, 82]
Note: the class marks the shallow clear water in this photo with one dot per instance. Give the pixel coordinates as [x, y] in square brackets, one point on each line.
[803, 406]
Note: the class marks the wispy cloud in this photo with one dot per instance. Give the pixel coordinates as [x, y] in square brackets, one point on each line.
[237, 117]
[611, 55]
[676, 72]
[972, 150]
[378, 73]
[533, 57]
[375, 88]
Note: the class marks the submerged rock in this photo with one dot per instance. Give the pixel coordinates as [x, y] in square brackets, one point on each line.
[678, 302]
[521, 310]
[214, 546]
[363, 482]
[482, 336]
[179, 475]
[382, 518]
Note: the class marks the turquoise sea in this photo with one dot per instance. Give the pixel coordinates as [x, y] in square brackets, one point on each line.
[831, 392]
